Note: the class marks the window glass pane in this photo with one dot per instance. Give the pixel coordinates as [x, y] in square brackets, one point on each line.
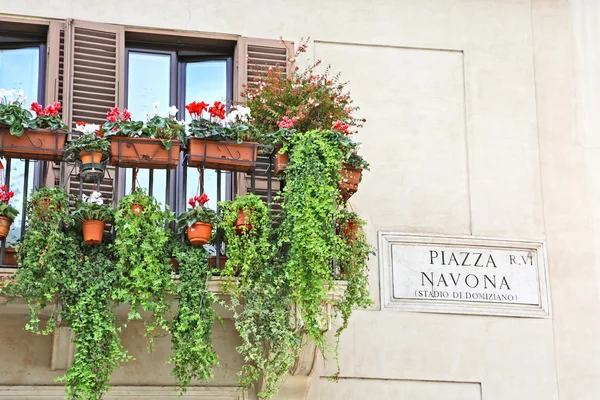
[205, 81]
[149, 82]
[17, 185]
[19, 70]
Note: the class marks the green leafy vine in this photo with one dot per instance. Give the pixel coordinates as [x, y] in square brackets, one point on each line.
[142, 260]
[193, 354]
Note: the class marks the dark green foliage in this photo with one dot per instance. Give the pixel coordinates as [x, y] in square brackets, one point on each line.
[193, 354]
[87, 143]
[269, 341]
[86, 291]
[93, 212]
[142, 260]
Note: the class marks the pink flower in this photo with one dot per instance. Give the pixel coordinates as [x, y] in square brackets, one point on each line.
[287, 123]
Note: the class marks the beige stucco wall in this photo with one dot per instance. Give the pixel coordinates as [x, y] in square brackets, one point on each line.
[481, 121]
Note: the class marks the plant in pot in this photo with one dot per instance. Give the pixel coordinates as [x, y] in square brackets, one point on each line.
[353, 252]
[193, 353]
[142, 258]
[255, 276]
[155, 143]
[7, 212]
[299, 101]
[45, 250]
[91, 149]
[12, 113]
[221, 141]
[56, 267]
[310, 205]
[351, 167]
[198, 221]
[93, 217]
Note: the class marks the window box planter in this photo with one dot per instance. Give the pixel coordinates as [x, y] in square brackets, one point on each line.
[10, 256]
[350, 179]
[41, 144]
[128, 152]
[221, 155]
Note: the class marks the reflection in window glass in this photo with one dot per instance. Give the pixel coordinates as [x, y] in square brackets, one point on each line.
[19, 70]
[205, 81]
[149, 82]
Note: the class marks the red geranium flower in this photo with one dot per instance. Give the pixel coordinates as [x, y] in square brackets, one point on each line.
[37, 108]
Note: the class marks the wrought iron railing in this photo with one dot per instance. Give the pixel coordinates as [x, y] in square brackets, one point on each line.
[67, 176]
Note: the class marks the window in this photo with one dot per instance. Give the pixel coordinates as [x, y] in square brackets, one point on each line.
[22, 67]
[177, 77]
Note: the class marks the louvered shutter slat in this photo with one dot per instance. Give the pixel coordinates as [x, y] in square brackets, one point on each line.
[254, 57]
[91, 81]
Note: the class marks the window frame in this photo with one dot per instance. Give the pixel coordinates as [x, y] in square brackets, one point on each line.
[40, 168]
[178, 177]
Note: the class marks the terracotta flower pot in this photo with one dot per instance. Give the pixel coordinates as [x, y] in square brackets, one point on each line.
[136, 208]
[280, 162]
[199, 233]
[350, 179]
[131, 152]
[174, 264]
[40, 144]
[349, 230]
[92, 231]
[242, 223]
[91, 163]
[212, 262]
[4, 227]
[10, 256]
[224, 156]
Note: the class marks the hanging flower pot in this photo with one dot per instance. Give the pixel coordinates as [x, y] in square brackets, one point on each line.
[280, 162]
[199, 233]
[91, 165]
[198, 221]
[4, 227]
[351, 177]
[92, 231]
[350, 230]
[136, 208]
[242, 223]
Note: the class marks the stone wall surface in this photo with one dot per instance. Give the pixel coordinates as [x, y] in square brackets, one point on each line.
[481, 121]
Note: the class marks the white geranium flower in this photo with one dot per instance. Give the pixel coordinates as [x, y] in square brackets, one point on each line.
[155, 108]
[94, 198]
[173, 111]
[88, 129]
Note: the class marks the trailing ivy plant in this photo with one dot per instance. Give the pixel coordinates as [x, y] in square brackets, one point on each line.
[193, 353]
[45, 251]
[143, 260]
[307, 231]
[351, 261]
[56, 266]
[87, 289]
[253, 273]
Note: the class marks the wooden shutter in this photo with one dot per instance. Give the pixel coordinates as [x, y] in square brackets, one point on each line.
[94, 70]
[252, 58]
[90, 80]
